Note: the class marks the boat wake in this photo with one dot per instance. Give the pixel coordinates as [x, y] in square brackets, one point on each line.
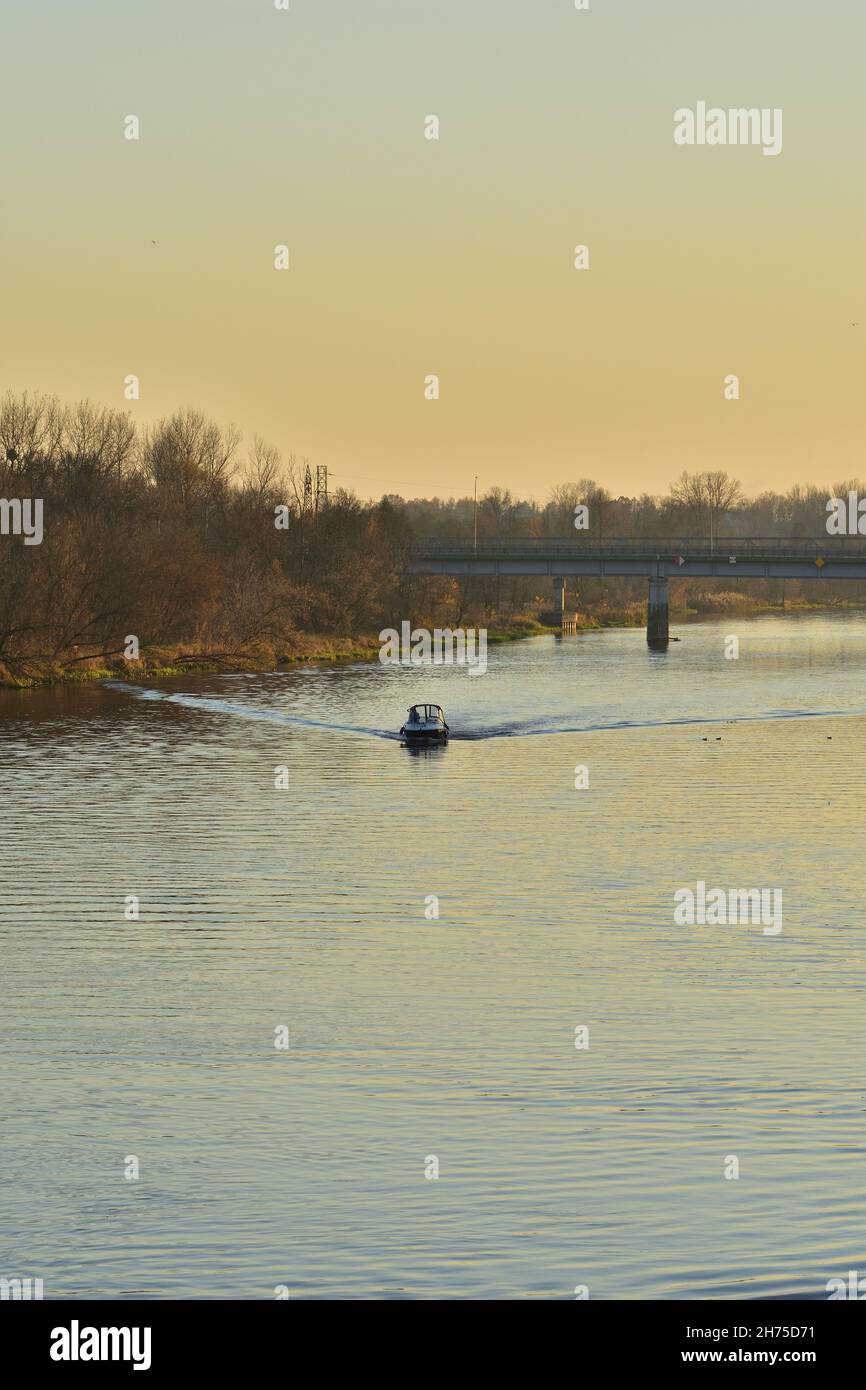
[531, 728]
[216, 706]
[513, 729]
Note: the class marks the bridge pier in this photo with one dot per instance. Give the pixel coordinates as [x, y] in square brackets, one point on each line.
[657, 635]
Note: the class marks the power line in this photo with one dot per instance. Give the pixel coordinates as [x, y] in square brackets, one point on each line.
[366, 478]
[363, 477]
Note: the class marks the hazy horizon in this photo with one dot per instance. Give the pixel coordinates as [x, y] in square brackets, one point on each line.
[411, 257]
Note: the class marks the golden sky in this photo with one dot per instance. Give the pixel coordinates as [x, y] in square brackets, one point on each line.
[410, 257]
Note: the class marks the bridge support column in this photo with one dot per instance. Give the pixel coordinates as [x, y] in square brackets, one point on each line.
[559, 595]
[657, 615]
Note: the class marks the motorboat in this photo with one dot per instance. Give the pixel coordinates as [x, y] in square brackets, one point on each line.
[425, 724]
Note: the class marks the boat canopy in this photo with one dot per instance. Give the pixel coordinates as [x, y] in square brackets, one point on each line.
[426, 712]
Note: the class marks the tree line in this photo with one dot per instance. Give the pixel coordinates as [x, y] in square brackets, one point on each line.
[167, 531]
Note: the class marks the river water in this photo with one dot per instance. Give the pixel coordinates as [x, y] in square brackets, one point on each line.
[413, 1038]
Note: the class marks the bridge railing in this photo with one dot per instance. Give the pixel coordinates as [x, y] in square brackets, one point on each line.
[651, 546]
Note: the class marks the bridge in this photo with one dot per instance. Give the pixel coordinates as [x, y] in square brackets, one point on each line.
[752, 557]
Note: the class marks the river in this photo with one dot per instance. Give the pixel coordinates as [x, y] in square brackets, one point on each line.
[415, 1041]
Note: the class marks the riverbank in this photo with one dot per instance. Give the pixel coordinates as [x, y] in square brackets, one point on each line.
[703, 606]
[159, 662]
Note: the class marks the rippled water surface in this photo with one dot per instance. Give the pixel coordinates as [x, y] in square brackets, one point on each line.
[452, 1037]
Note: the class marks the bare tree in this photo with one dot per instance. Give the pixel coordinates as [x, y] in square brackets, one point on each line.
[264, 467]
[707, 495]
[566, 497]
[191, 457]
[31, 431]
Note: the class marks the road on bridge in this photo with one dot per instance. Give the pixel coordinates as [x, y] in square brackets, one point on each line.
[833, 557]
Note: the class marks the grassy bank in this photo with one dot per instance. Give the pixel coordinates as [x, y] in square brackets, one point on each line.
[159, 662]
[303, 648]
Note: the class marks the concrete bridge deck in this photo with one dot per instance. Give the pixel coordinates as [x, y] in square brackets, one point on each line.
[751, 557]
[834, 557]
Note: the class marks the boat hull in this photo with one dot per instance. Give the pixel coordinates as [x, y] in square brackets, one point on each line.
[426, 724]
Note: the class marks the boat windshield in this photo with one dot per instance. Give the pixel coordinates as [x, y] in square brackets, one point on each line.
[421, 712]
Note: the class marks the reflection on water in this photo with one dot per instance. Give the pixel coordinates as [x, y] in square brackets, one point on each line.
[454, 1036]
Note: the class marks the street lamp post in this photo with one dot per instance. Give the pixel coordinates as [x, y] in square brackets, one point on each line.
[475, 518]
